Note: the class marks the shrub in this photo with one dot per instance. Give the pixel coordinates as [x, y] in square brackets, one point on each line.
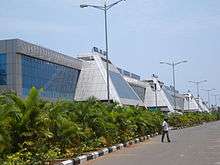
[33, 130]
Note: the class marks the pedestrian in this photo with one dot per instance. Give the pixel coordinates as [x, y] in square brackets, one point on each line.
[165, 130]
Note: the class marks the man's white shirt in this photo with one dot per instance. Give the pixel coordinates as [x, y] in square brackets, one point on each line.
[165, 126]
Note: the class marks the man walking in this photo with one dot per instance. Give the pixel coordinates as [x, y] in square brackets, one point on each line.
[165, 130]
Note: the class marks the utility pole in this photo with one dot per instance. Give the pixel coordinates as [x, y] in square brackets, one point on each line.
[197, 83]
[105, 8]
[173, 64]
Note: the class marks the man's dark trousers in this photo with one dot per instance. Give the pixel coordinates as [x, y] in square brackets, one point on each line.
[163, 134]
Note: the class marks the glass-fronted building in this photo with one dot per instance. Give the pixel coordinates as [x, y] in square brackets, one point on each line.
[57, 81]
[24, 65]
[3, 69]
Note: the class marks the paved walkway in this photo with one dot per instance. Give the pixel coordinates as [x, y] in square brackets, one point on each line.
[191, 146]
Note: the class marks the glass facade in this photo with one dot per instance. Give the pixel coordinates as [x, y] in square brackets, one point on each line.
[121, 86]
[126, 73]
[120, 70]
[139, 90]
[57, 81]
[170, 95]
[3, 69]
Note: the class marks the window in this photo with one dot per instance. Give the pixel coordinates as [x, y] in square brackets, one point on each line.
[57, 81]
[120, 70]
[135, 76]
[122, 88]
[170, 95]
[126, 73]
[3, 70]
[139, 90]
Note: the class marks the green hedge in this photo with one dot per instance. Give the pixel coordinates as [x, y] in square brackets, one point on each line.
[191, 119]
[33, 130]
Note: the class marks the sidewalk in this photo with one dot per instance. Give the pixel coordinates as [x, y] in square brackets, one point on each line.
[198, 145]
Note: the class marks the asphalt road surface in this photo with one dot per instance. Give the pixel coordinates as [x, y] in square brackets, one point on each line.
[191, 146]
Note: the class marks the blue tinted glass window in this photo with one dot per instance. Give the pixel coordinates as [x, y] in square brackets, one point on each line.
[126, 73]
[139, 90]
[122, 88]
[170, 95]
[57, 81]
[3, 69]
[135, 76]
[120, 70]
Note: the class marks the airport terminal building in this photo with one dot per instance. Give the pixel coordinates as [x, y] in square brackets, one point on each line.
[24, 65]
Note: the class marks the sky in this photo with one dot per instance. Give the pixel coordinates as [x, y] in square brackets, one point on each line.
[141, 34]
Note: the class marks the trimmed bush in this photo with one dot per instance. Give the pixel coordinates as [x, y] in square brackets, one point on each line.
[33, 130]
[191, 119]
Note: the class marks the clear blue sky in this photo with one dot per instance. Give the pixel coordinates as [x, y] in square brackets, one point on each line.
[141, 34]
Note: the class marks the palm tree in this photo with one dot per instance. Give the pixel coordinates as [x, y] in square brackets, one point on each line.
[29, 122]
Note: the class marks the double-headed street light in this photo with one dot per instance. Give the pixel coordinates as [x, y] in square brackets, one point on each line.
[197, 85]
[105, 8]
[208, 92]
[173, 64]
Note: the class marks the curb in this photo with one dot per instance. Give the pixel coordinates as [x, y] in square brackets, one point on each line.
[84, 158]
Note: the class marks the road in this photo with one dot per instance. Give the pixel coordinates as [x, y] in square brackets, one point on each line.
[191, 146]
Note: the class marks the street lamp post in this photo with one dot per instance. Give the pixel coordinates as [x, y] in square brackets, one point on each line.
[105, 8]
[173, 64]
[197, 85]
[188, 99]
[215, 96]
[155, 88]
[208, 92]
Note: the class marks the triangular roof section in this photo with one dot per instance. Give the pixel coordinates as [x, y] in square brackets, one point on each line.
[162, 99]
[190, 104]
[169, 91]
[93, 82]
[202, 105]
[146, 91]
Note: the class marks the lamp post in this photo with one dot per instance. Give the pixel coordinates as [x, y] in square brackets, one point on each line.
[155, 88]
[208, 92]
[188, 99]
[173, 64]
[215, 96]
[105, 8]
[197, 85]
